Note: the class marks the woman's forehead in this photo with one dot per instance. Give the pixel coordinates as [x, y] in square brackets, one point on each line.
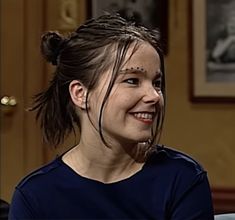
[144, 57]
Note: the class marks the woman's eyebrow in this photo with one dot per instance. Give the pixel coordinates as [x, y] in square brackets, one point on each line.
[133, 70]
[139, 70]
[159, 74]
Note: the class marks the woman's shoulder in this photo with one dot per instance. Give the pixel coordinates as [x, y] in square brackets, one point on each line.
[43, 174]
[170, 158]
[175, 170]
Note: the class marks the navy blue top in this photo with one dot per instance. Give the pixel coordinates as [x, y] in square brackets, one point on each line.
[171, 185]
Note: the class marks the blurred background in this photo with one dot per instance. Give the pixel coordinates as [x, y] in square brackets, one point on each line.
[204, 130]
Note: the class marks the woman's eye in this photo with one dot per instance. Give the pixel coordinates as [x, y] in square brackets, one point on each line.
[133, 81]
[157, 84]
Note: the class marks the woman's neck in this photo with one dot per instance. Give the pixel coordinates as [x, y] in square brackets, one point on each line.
[105, 164]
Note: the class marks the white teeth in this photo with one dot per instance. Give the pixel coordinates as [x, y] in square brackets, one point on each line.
[143, 115]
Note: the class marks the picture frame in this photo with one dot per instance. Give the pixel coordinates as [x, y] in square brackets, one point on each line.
[212, 65]
[150, 13]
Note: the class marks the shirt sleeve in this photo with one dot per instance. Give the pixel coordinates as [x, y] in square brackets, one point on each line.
[20, 207]
[194, 202]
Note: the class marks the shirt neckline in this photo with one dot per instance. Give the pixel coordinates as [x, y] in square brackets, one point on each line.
[128, 179]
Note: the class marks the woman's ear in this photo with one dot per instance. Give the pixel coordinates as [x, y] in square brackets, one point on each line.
[78, 93]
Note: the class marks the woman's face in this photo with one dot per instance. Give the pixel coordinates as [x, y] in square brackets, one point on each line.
[135, 99]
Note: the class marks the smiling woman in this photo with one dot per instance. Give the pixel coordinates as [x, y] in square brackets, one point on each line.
[133, 94]
[110, 83]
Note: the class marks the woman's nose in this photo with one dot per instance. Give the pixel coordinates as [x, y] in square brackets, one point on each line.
[152, 95]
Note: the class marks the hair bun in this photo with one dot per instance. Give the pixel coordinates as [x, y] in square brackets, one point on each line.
[51, 43]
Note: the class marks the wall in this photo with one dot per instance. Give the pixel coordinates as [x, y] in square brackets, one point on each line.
[20, 68]
[205, 131]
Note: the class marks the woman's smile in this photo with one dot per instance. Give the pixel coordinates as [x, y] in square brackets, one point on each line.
[145, 117]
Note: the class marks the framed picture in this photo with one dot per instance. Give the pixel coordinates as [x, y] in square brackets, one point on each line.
[212, 34]
[150, 13]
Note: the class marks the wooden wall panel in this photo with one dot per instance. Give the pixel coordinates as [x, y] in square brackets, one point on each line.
[224, 200]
